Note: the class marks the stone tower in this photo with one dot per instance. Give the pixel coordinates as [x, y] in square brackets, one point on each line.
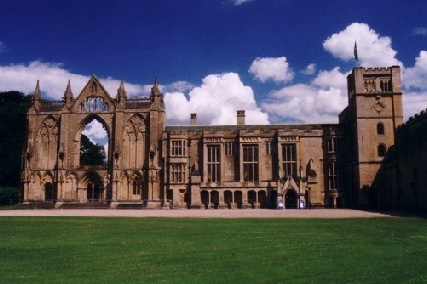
[373, 113]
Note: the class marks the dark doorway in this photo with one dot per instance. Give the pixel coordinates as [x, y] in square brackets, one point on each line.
[273, 199]
[228, 198]
[215, 199]
[50, 192]
[93, 191]
[252, 198]
[262, 199]
[291, 199]
[205, 198]
[238, 198]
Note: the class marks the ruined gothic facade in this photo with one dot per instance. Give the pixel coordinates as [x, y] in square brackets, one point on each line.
[217, 166]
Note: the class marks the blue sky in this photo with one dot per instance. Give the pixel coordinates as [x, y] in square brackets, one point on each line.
[283, 61]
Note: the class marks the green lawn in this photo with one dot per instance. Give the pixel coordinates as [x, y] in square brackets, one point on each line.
[126, 250]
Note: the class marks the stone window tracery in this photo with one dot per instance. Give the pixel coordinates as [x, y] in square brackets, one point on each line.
[214, 163]
[250, 163]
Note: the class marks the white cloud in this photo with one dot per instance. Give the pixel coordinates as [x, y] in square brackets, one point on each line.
[271, 68]
[216, 101]
[53, 80]
[333, 78]
[97, 134]
[414, 103]
[373, 50]
[240, 2]
[420, 31]
[318, 102]
[310, 69]
[416, 77]
[179, 86]
[94, 131]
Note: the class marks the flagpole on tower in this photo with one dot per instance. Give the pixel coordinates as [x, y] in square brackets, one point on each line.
[355, 53]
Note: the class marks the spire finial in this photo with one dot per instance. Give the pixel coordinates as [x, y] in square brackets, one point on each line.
[121, 93]
[155, 89]
[122, 84]
[37, 93]
[68, 94]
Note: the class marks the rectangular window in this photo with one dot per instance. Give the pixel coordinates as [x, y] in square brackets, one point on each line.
[229, 148]
[250, 163]
[178, 148]
[335, 145]
[214, 163]
[289, 159]
[177, 172]
[335, 175]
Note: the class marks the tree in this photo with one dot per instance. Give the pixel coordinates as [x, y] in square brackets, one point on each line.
[90, 153]
[13, 112]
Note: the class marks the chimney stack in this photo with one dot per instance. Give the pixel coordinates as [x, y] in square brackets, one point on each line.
[193, 119]
[240, 117]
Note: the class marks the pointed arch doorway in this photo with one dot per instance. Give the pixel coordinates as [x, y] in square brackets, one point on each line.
[94, 187]
[291, 200]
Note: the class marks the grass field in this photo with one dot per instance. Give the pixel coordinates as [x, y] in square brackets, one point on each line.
[129, 250]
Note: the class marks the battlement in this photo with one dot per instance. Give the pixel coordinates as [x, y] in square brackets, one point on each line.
[414, 119]
[46, 105]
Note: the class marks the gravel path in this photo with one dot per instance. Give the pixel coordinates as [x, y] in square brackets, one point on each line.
[219, 213]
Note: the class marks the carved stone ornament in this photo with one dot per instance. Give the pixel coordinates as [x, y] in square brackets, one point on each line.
[379, 106]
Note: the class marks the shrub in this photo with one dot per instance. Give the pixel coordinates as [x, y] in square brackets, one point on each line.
[9, 195]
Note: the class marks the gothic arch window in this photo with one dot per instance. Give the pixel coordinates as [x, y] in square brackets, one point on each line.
[94, 104]
[93, 148]
[365, 86]
[136, 186]
[82, 107]
[134, 142]
[381, 150]
[390, 86]
[373, 86]
[380, 128]
[382, 86]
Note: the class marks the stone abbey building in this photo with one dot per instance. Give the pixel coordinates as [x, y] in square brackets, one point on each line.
[217, 166]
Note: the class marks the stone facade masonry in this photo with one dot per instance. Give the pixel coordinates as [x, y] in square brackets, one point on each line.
[217, 166]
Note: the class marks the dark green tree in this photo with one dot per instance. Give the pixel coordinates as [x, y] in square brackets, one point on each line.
[90, 153]
[13, 111]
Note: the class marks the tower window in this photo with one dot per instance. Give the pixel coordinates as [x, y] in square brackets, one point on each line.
[381, 150]
[380, 128]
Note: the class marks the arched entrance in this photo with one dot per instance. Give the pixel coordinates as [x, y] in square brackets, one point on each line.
[93, 191]
[205, 198]
[215, 199]
[252, 198]
[228, 198]
[262, 199]
[238, 200]
[273, 199]
[94, 187]
[49, 191]
[93, 136]
[291, 199]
